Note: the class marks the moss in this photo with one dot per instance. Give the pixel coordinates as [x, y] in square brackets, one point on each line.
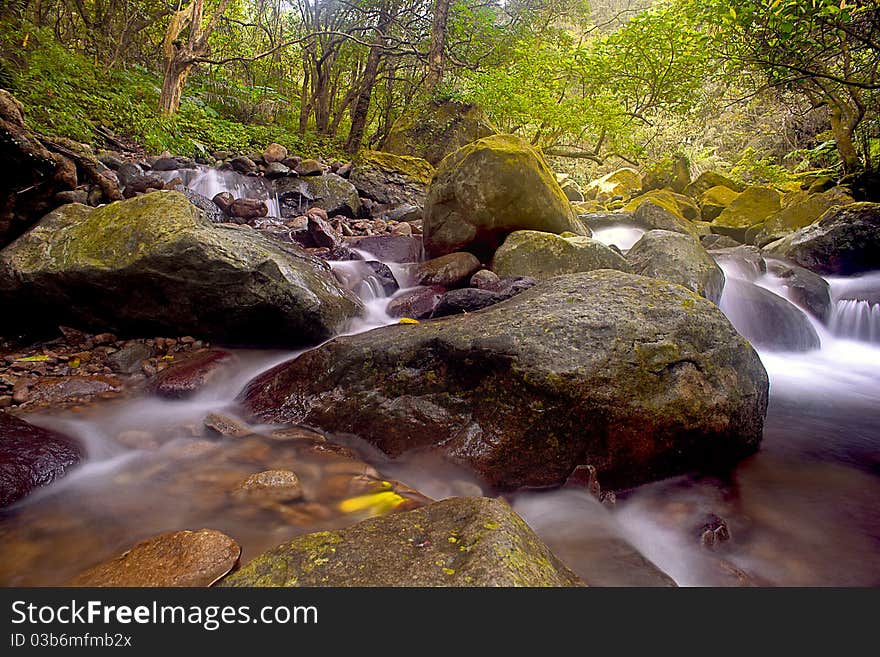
[414, 167]
[679, 205]
[751, 207]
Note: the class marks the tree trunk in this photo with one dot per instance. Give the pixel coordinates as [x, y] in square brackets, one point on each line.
[172, 86]
[843, 124]
[437, 52]
[362, 105]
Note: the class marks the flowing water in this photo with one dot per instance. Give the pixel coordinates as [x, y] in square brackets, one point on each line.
[802, 511]
[209, 182]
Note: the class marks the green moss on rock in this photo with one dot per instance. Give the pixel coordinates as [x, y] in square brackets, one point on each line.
[544, 255]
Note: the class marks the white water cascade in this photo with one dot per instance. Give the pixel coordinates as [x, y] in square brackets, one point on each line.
[209, 181]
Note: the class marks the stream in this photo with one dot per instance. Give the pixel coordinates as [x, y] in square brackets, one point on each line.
[800, 512]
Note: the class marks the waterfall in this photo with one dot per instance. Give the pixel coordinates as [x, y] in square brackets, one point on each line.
[209, 182]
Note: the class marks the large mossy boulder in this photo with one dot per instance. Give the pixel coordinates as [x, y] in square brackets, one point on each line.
[544, 255]
[461, 541]
[622, 183]
[845, 241]
[638, 377]
[155, 265]
[709, 179]
[31, 457]
[715, 200]
[751, 208]
[389, 178]
[678, 259]
[678, 204]
[801, 210]
[433, 131]
[333, 194]
[489, 189]
[672, 173]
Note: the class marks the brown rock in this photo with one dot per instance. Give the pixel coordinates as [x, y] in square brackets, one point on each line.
[248, 208]
[224, 425]
[53, 389]
[449, 271]
[274, 153]
[191, 374]
[309, 168]
[270, 486]
[415, 304]
[184, 558]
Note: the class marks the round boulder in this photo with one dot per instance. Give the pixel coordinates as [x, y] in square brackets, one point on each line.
[544, 255]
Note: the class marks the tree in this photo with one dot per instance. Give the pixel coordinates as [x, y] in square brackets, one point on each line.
[180, 54]
[437, 51]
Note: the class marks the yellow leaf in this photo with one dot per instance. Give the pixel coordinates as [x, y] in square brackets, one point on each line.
[376, 503]
[32, 359]
[26, 38]
[408, 320]
[73, 362]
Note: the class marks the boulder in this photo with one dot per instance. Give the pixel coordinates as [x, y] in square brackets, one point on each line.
[276, 170]
[638, 377]
[709, 179]
[808, 290]
[754, 206]
[390, 248]
[461, 541]
[155, 265]
[451, 270]
[767, 320]
[184, 558]
[845, 241]
[209, 207]
[622, 183]
[436, 129]
[713, 241]
[275, 153]
[741, 261]
[678, 259]
[329, 192]
[244, 165]
[489, 189]
[544, 255]
[191, 374]
[679, 205]
[310, 168]
[248, 208]
[672, 173]
[388, 178]
[801, 210]
[31, 457]
[714, 201]
[465, 300]
[418, 303]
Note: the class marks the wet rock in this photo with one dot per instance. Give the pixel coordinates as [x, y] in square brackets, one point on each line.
[745, 261]
[31, 457]
[713, 531]
[658, 213]
[754, 206]
[767, 320]
[390, 248]
[388, 178]
[456, 542]
[845, 241]
[244, 165]
[248, 208]
[485, 280]
[224, 201]
[270, 486]
[487, 190]
[322, 233]
[194, 372]
[714, 241]
[136, 439]
[275, 153]
[128, 359]
[418, 303]
[276, 170]
[72, 196]
[226, 426]
[678, 259]
[450, 270]
[173, 164]
[385, 276]
[222, 283]
[310, 168]
[184, 558]
[333, 194]
[807, 289]
[206, 205]
[544, 255]
[644, 376]
[142, 185]
[128, 172]
[465, 300]
[57, 389]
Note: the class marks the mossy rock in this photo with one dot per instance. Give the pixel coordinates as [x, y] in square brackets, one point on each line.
[155, 265]
[714, 200]
[638, 377]
[709, 179]
[659, 210]
[544, 255]
[623, 183]
[461, 541]
[754, 206]
[671, 172]
[678, 204]
[389, 178]
[801, 209]
[488, 189]
[333, 194]
[436, 129]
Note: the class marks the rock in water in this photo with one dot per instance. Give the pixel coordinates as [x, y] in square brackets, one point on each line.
[184, 558]
[461, 541]
[155, 265]
[766, 319]
[845, 241]
[638, 377]
[187, 377]
[388, 178]
[489, 189]
[329, 192]
[544, 255]
[31, 457]
[678, 259]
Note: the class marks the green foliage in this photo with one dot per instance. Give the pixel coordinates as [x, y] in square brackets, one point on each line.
[752, 168]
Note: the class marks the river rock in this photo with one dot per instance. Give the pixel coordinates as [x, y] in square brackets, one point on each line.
[742, 261]
[274, 153]
[276, 170]
[310, 168]
[31, 457]
[622, 183]
[709, 179]
[171, 163]
[191, 374]
[485, 280]
[418, 303]
[544, 255]
[270, 486]
[678, 259]
[329, 192]
[156, 265]
[638, 377]
[184, 558]
[460, 541]
[451, 270]
[845, 241]
[206, 205]
[390, 248]
[801, 210]
[389, 178]
[807, 289]
[244, 165]
[715, 200]
[465, 300]
[436, 129]
[129, 358]
[57, 389]
[767, 320]
[248, 208]
[682, 207]
[751, 208]
[489, 189]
